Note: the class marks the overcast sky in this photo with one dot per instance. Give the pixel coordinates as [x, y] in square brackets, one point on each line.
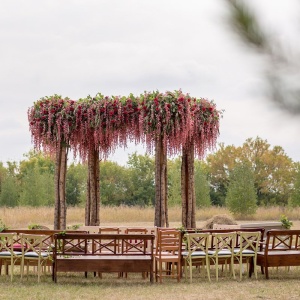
[77, 48]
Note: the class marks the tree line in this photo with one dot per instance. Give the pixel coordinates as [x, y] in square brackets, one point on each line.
[242, 178]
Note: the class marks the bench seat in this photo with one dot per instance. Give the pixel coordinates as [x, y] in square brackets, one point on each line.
[122, 253]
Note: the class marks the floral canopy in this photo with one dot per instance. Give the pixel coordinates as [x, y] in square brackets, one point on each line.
[104, 123]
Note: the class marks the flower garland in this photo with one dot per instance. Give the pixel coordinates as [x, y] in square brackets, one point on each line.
[105, 123]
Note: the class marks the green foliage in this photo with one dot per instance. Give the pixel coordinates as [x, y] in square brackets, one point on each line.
[141, 172]
[295, 196]
[202, 189]
[37, 181]
[9, 195]
[74, 226]
[35, 226]
[286, 223]
[273, 171]
[174, 182]
[114, 183]
[2, 226]
[76, 180]
[241, 196]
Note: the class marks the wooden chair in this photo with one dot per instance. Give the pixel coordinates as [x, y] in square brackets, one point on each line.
[8, 254]
[249, 243]
[168, 254]
[89, 229]
[135, 245]
[222, 250]
[110, 245]
[33, 253]
[196, 252]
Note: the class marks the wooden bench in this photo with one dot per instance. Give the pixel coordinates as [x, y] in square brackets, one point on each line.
[121, 253]
[266, 225]
[281, 248]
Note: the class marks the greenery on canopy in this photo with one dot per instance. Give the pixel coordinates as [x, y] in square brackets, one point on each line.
[105, 123]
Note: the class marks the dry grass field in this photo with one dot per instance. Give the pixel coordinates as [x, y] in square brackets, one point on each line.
[22, 217]
[284, 284]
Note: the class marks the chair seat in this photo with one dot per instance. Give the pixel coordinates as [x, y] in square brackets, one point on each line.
[245, 251]
[220, 253]
[34, 254]
[195, 253]
[8, 253]
[167, 257]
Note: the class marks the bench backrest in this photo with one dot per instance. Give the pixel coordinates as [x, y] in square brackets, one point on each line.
[103, 244]
[279, 240]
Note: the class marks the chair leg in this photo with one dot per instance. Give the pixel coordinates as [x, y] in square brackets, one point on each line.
[208, 268]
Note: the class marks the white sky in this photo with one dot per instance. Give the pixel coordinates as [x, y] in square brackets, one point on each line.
[77, 48]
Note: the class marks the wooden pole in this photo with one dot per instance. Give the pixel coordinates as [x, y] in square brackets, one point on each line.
[188, 187]
[161, 189]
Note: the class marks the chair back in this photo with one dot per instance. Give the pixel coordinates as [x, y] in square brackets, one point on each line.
[169, 242]
[109, 245]
[221, 242]
[33, 245]
[248, 242]
[6, 244]
[197, 242]
[33, 252]
[7, 252]
[135, 245]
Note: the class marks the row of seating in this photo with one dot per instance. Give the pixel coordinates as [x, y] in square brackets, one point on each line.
[175, 249]
[34, 247]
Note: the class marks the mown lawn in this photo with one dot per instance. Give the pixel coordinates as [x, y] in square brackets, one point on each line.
[283, 284]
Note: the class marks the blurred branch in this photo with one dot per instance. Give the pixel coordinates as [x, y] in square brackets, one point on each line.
[283, 74]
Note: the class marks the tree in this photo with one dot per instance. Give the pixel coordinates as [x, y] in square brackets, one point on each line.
[174, 185]
[273, 171]
[36, 177]
[202, 188]
[282, 64]
[141, 170]
[2, 174]
[219, 165]
[76, 184]
[9, 194]
[241, 195]
[114, 184]
[295, 196]
[37, 188]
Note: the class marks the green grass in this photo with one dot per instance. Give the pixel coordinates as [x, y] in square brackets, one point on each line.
[282, 285]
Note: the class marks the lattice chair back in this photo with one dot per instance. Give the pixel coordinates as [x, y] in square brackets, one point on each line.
[8, 254]
[33, 252]
[249, 243]
[196, 252]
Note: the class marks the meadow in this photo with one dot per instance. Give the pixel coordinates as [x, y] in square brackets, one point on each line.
[22, 217]
[283, 284]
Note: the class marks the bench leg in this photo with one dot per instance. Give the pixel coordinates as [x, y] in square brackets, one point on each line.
[267, 272]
